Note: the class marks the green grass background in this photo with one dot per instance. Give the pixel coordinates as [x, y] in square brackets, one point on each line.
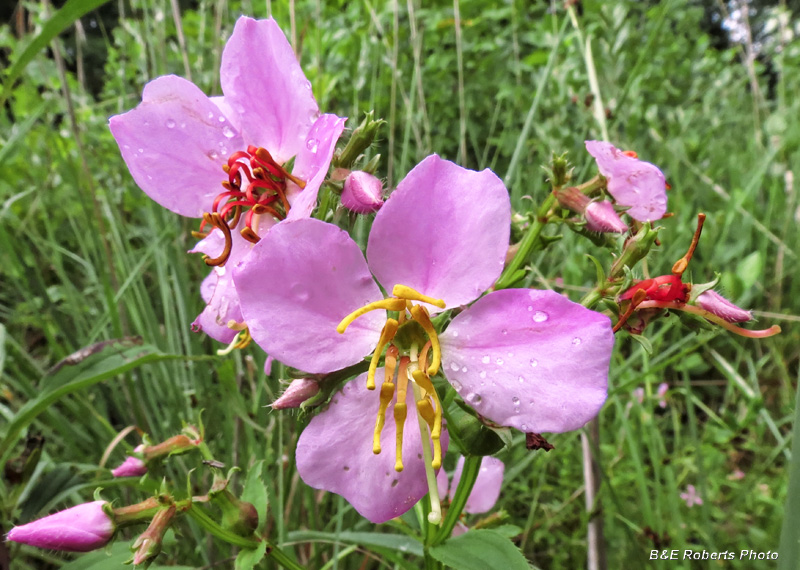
[85, 256]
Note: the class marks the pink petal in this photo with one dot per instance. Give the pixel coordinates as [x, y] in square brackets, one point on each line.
[334, 453]
[632, 182]
[81, 528]
[297, 285]
[486, 491]
[443, 232]
[716, 304]
[263, 82]
[601, 217]
[175, 144]
[362, 192]
[131, 467]
[219, 292]
[312, 164]
[442, 483]
[532, 360]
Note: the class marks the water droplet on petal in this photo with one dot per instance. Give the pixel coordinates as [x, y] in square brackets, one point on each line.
[221, 119]
[482, 374]
[521, 379]
[576, 341]
[141, 150]
[454, 367]
[299, 292]
[530, 307]
[539, 316]
[210, 115]
[455, 334]
[464, 369]
[485, 359]
[524, 427]
[534, 363]
[505, 331]
[307, 84]
[456, 385]
[312, 145]
[228, 132]
[499, 361]
[170, 123]
[515, 401]
[474, 398]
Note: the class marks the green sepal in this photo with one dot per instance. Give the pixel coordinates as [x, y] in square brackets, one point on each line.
[601, 274]
[472, 436]
[700, 288]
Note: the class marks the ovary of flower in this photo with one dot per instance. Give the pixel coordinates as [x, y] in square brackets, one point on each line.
[411, 367]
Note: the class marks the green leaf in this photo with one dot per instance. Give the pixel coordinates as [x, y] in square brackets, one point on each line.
[111, 558]
[249, 557]
[60, 21]
[478, 550]
[255, 492]
[750, 269]
[80, 370]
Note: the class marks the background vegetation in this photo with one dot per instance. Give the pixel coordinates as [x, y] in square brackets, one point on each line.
[85, 256]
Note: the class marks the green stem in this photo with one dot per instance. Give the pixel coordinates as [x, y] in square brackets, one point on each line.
[527, 244]
[214, 528]
[790, 533]
[472, 465]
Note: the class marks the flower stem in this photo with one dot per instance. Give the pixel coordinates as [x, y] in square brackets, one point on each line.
[526, 245]
[435, 516]
[472, 465]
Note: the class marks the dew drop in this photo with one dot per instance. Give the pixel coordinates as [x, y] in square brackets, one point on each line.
[454, 367]
[539, 317]
[524, 427]
[474, 398]
[515, 401]
[299, 292]
[210, 115]
[505, 331]
[141, 150]
[521, 379]
[221, 119]
[482, 374]
[312, 145]
[485, 359]
[464, 369]
[530, 307]
[170, 123]
[212, 154]
[455, 334]
[456, 385]
[534, 363]
[228, 132]
[499, 361]
[576, 341]
[307, 84]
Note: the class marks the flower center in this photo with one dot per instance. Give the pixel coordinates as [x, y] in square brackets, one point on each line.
[256, 185]
[408, 340]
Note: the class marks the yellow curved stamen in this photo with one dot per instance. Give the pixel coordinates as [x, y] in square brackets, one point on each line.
[400, 412]
[403, 292]
[432, 416]
[244, 338]
[387, 334]
[387, 392]
[216, 221]
[419, 314]
[387, 304]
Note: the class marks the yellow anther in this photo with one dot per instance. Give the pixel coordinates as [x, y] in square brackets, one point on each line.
[390, 363]
[419, 314]
[386, 304]
[425, 409]
[387, 334]
[422, 381]
[403, 292]
[400, 422]
[387, 393]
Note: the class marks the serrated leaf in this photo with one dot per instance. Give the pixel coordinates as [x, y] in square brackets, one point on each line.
[249, 557]
[255, 492]
[478, 550]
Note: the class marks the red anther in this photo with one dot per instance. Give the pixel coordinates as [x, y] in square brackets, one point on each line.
[229, 205]
[663, 288]
[236, 156]
[252, 149]
[631, 153]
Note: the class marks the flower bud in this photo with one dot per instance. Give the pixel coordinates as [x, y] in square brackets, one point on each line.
[148, 545]
[362, 193]
[81, 528]
[572, 199]
[298, 392]
[601, 217]
[131, 467]
[716, 304]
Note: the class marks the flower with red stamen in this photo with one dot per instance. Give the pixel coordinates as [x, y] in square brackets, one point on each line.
[179, 144]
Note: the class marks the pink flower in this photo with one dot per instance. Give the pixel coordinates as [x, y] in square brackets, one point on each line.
[662, 393]
[601, 217]
[716, 304]
[81, 528]
[528, 359]
[487, 486]
[362, 193]
[131, 467]
[631, 182]
[691, 497]
[296, 393]
[177, 142]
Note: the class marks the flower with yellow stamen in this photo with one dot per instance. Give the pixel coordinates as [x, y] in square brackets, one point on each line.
[438, 243]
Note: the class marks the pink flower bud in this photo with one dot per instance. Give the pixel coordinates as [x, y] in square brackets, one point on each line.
[601, 217]
[78, 529]
[572, 199]
[362, 193]
[298, 392]
[716, 304]
[131, 467]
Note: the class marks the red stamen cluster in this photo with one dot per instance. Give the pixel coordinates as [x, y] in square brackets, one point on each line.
[256, 184]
